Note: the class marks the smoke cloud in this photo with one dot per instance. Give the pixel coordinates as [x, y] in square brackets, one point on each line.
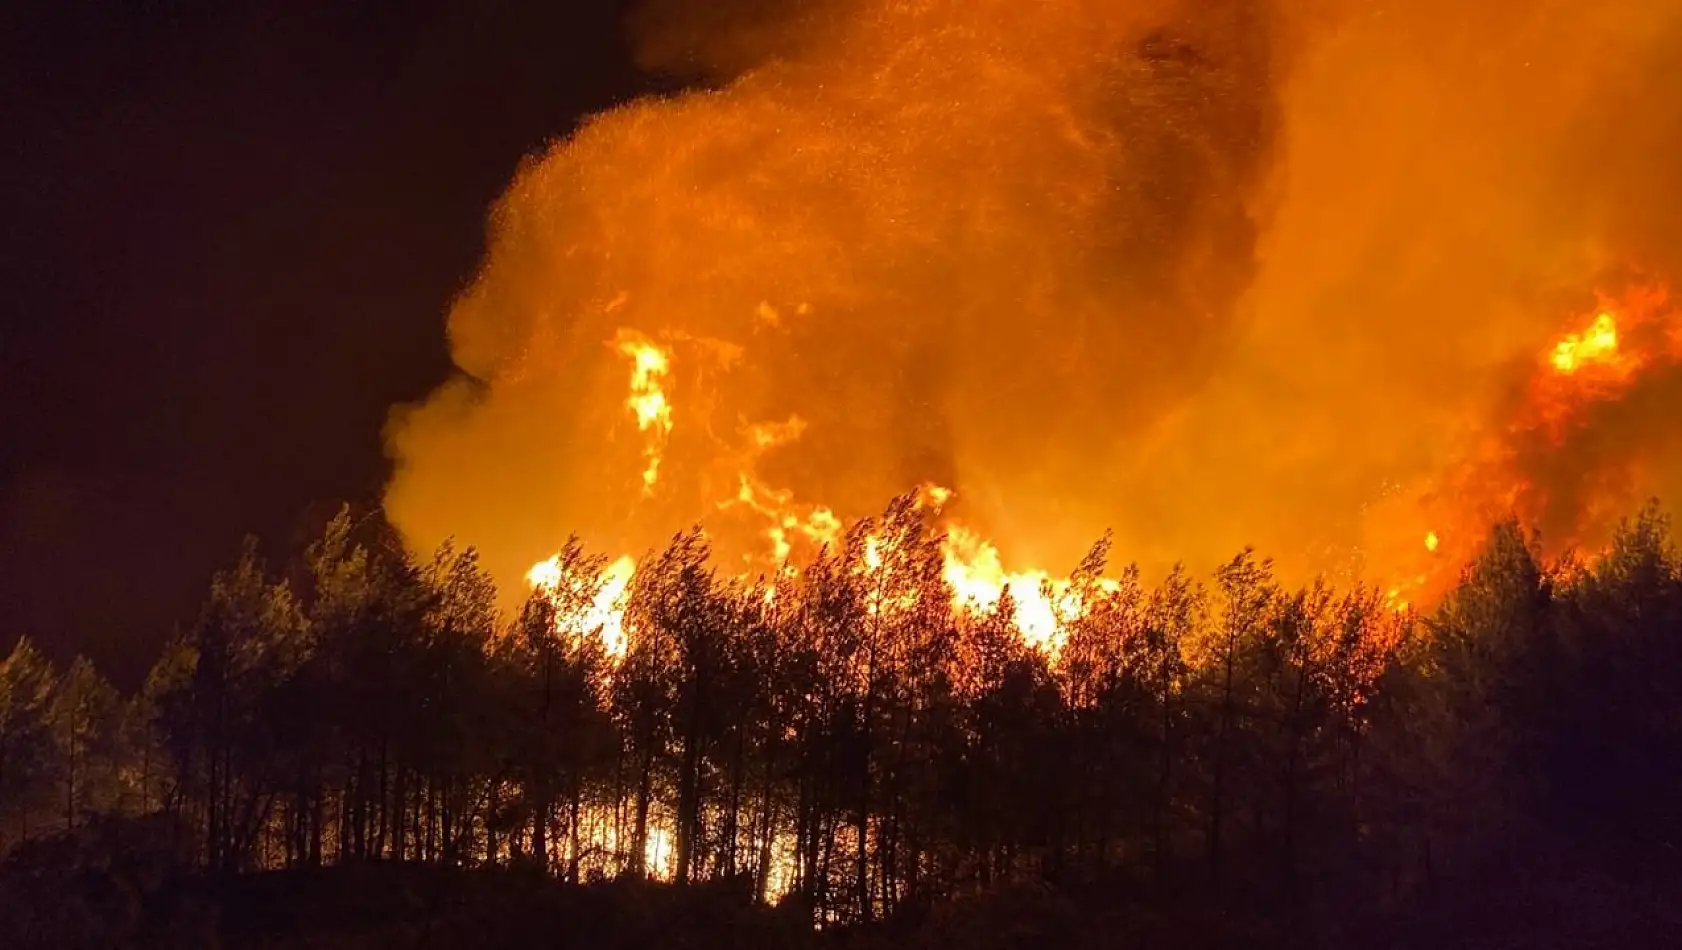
[1206, 272]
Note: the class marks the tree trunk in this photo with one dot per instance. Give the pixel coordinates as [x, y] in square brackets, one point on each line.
[639, 835]
[1295, 732]
[400, 814]
[1217, 803]
[540, 830]
[382, 825]
[688, 801]
[1164, 779]
[861, 827]
[575, 806]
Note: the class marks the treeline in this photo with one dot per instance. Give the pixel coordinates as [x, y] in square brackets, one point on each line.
[844, 741]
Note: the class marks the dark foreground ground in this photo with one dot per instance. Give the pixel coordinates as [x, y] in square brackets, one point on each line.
[79, 892]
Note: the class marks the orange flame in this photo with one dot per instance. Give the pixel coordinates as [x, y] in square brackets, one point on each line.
[649, 366]
[1580, 370]
[605, 616]
[1598, 345]
[1041, 603]
[972, 569]
[1626, 341]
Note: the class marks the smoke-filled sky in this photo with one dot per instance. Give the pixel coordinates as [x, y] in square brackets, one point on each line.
[1206, 272]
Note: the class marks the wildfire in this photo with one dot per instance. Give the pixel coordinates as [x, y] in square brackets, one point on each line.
[1178, 268]
[1598, 345]
[789, 521]
[602, 846]
[1579, 371]
[979, 581]
[1203, 272]
[1584, 373]
[605, 615]
[971, 567]
[649, 368]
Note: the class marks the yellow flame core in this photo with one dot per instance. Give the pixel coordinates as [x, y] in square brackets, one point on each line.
[1599, 344]
[600, 846]
[605, 617]
[972, 568]
[659, 854]
[649, 367]
[1041, 603]
[1605, 354]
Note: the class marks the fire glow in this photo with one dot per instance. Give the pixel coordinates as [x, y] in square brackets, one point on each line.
[1599, 344]
[1630, 340]
[649, 366]
[1580, 370]
[1209, 273]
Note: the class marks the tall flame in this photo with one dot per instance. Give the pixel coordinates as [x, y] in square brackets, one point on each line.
[649, 367]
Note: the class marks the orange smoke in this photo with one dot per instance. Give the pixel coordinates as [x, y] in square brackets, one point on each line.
[1314, 277]
[1572, 399]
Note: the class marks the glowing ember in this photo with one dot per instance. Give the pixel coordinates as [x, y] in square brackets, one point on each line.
[1431, 541]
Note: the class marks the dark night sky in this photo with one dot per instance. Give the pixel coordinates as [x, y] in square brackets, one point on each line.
[231, 233]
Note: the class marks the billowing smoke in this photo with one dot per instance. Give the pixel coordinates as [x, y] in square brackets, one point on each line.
[1207, 272]
[1460, 183]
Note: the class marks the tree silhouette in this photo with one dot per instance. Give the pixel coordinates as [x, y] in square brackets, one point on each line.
[27, 755]
[841, 737]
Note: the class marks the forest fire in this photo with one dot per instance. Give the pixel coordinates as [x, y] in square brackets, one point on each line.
[603, 608]
[1141, 268]
[1582, 370]
[1575, 392]
[979, 453]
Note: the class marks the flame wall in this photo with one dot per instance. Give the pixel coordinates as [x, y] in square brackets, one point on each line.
[1209, 272]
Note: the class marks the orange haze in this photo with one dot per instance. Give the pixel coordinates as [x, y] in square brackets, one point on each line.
[1322, 277]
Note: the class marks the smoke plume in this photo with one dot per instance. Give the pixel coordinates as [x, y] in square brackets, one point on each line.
[1206, 272]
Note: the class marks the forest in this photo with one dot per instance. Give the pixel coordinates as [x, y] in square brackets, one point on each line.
[839, 754]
